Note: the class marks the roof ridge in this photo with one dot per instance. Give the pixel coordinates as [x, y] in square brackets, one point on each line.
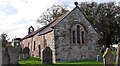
[42, 28]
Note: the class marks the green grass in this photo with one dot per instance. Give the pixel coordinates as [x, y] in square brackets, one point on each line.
[81, 62]
[31, 60]
[36, 61]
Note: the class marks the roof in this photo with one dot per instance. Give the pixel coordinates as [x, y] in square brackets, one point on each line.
[46, 28]
[16, 39]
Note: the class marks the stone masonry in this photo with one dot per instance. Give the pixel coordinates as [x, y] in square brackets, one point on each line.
[71, 37]
[68, 51]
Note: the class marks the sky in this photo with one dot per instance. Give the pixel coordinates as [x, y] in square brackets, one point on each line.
[16, 16]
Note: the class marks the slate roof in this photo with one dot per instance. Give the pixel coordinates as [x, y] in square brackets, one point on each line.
[46, 28]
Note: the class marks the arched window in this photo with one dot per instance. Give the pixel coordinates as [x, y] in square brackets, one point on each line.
[78, 34]
[82, 37]
[28, 45]
[31, 47]
[34, 45]
[39, 50]
[73, 36]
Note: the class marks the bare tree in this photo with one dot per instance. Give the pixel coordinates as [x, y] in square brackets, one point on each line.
[52, 13]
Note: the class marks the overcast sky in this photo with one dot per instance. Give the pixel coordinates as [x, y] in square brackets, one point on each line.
[17, 15]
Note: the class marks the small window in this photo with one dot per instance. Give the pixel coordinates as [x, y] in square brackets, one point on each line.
[34, 45]
[28, 45]
[78, 34]
[44, 41]
[73, 32]
[31, 47]
[39, 50]
[82, 37]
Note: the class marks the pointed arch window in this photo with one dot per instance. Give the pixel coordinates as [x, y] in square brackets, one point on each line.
[82, 37]
[73, 33]
[78, 34]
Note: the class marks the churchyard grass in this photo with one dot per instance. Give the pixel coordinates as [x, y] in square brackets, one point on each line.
[31, 60]
[36, 61]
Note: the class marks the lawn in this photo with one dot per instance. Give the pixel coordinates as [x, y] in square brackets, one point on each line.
[31, 60]
[35, 61]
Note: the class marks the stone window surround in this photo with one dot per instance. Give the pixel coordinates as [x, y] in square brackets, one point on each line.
[82, 30]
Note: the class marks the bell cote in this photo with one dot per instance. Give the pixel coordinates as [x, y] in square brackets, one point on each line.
[30, 29]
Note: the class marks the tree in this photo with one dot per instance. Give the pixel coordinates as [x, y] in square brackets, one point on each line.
[105, 18]
[52, 13]
[4, 39]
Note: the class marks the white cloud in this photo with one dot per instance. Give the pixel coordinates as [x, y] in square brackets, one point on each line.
[17, 15]
[27, 11]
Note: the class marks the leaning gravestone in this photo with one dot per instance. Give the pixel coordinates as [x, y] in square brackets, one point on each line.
[26, 53]
[5, 57]
[0, 50]
[13, 55]
[47, 56]
[108, 58]
[118, 55]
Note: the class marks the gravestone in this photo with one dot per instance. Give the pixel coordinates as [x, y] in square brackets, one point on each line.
[99, 58]
[0, 51]
[26, 53]
[5, 57]
[108, 58]
[47, 56]
[20, 52]
[118, 55]
[13, 55]
[103, 50]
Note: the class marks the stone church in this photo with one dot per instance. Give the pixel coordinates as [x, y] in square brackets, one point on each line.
[71, 37]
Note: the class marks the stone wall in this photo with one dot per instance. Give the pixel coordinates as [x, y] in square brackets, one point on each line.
[68, 51]
[36, 40]
[50, 43]
[24, 43]
[29, 42]
[40, 40]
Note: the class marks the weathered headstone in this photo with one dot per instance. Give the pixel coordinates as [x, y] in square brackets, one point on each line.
[5, 57]
[47, 56]
[0, 50]
[99, 58]
[118, 55]
[108, 58]
[13, 55]
[20, 52]
[26, 53]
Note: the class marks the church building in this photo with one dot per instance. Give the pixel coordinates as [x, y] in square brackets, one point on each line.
[71, 37]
